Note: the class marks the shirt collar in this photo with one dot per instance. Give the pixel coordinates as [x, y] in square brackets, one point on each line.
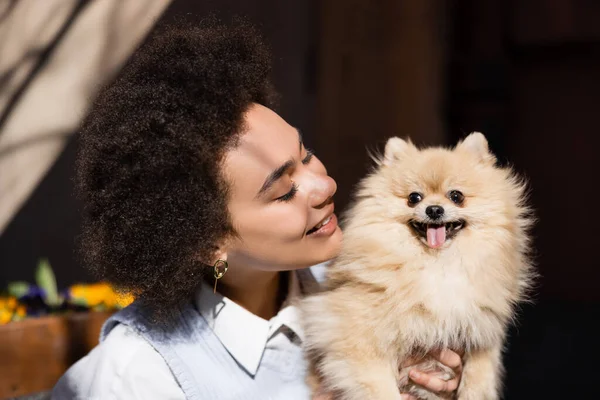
[244, 334]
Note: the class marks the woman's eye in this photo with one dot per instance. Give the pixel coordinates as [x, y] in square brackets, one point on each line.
[414, 198]
[289, 195]
[309, 156]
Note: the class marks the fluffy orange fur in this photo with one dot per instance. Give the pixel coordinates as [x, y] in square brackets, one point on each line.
[389, 295]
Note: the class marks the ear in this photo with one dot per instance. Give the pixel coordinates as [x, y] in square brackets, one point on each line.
[395, 148]
[477, 145]
[220, 253]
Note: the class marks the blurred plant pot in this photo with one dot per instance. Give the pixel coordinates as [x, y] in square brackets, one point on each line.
[35, 352]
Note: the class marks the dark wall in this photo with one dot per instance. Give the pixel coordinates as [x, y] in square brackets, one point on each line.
[381, 74]
[528, 75]
[47, 224]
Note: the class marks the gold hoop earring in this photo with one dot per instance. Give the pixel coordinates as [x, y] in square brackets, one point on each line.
[220, 268]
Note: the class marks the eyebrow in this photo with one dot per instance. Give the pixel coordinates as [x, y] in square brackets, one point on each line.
[279, 171]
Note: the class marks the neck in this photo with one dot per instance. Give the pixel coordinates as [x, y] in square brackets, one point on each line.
[256, 291]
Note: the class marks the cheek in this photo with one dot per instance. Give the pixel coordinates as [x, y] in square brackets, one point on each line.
[276, 223]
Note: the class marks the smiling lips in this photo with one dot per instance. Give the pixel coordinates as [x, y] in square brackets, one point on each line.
[324, 228]
[320, 224]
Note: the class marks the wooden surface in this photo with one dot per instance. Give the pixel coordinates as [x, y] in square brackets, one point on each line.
[34, 353]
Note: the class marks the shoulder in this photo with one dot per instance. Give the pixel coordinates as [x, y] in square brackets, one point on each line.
[123, 366]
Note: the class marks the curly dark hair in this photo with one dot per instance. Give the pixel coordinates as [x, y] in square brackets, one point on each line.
[150, 156]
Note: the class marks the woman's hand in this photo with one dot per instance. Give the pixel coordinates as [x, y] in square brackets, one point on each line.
[430, 381]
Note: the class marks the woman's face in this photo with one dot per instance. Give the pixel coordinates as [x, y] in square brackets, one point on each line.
[279, 195]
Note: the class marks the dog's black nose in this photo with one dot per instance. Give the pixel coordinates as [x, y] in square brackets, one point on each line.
[434, 212]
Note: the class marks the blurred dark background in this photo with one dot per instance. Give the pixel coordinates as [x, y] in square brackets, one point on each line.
[352, 73]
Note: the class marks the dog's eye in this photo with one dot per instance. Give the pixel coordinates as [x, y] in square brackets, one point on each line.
[414, 198]
[456, 197]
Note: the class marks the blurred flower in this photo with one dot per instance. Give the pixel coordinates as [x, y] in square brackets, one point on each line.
[98, 295]
[21, 311]
[33, 292]
[123, 300]
[8, 303]
[25, 300]
[5, 316]
[10, 309]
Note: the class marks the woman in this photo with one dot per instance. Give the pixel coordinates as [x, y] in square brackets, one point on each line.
[206, 205]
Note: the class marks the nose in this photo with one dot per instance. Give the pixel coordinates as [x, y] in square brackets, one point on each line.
[320, 188]
[323, 190]
[434, 212]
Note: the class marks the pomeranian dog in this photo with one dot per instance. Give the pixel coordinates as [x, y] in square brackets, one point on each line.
[435, 256]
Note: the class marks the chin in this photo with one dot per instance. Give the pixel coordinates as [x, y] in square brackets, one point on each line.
[435, 255]
[323, 250]
[332, 247]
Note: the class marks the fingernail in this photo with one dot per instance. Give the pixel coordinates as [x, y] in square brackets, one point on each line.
[414, 374]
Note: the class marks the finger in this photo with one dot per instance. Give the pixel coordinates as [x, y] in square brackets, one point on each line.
[407, 397]
[450, 359]
[433, 383]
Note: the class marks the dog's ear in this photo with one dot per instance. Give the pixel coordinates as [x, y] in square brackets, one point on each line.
[477, 145]
[395, 148]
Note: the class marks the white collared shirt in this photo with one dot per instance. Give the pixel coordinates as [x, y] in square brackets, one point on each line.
[126, 366]
[245, 335]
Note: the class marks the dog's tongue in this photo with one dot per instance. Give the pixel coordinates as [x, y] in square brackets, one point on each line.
[436, 236]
